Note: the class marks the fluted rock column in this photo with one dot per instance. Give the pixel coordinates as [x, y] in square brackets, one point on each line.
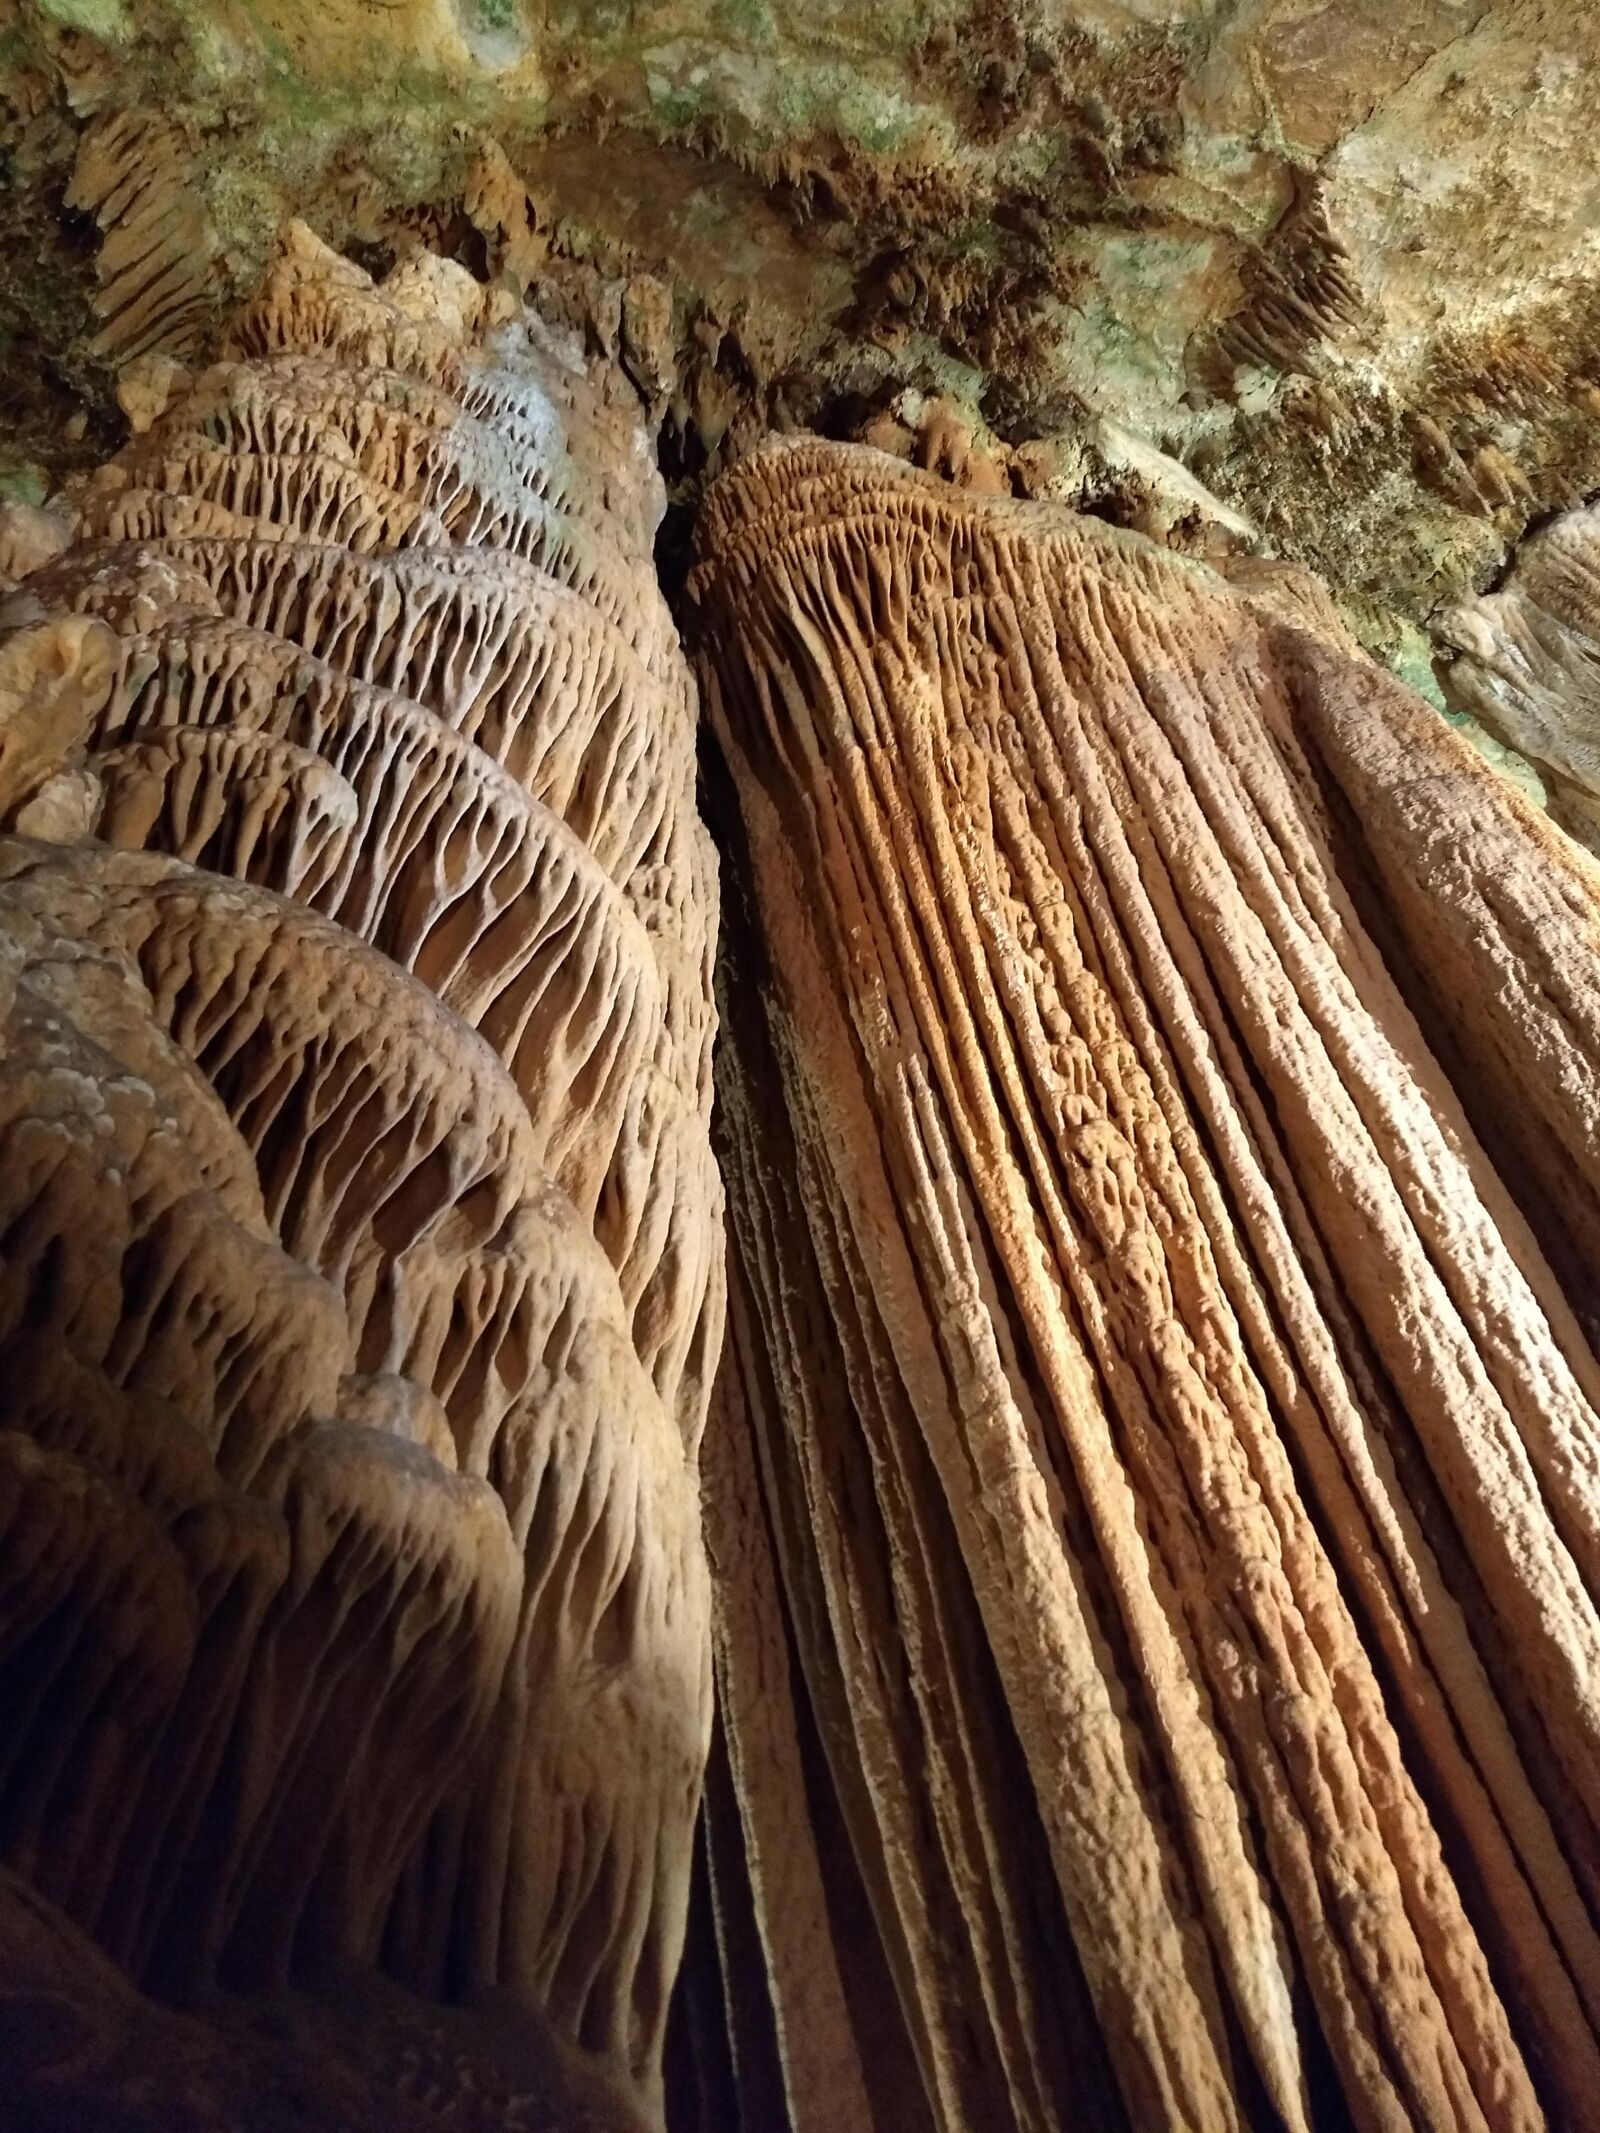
[363, 1271]
[1176, 1459]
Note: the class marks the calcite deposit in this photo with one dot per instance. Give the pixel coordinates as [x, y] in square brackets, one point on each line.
[1153, 1488]
[1324, 270]
[1525, 660]
[1110, 1642]
[362, 1281]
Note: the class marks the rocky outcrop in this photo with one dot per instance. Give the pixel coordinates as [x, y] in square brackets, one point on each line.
[362, 1271]
[1154, 1485]
[1319, 272]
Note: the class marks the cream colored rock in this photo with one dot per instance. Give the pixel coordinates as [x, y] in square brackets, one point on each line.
[54, 678]
[30, 536]
[145, 388]
[1527, 664]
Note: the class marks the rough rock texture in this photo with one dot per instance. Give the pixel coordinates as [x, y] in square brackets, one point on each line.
[362, 1279]
[1154, 1486]
[1319, 272]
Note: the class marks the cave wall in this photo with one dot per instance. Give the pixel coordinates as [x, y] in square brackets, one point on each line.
[1323, 269]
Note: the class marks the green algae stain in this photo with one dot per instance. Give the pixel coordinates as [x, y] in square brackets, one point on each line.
[1506, 760]
[1398, 644]
[753, 21]
[1410, 659]
[1036, 155]
[23, 483]
[839, 100]
[671, 104]
[880, 123]
[109, 20]
[977, 240]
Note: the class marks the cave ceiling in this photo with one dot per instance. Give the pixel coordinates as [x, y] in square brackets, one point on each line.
[1314, 277]
[680, 668]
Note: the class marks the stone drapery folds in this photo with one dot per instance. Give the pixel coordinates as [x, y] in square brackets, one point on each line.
[1154, 1483]
[362, 1271]
[1527, 663]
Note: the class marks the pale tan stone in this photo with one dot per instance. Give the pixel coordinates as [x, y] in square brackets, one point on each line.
[1527, 664]
[158, 256]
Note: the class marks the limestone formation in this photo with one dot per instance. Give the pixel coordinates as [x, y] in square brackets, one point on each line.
[1527, 664]
[1318, 272]
[158, 252]
[1155, 1487]
[1143, 1538]
[362, 1283]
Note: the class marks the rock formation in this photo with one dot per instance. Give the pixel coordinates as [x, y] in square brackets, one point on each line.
[1144, 1533]
[362, 1282]
[1153, 1493]
[1527, 664]
[1320, 270]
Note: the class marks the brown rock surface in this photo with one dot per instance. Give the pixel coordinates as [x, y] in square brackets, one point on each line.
[1160, 1464]
[1153, 1488]
[362, 1280]
[1315, 272]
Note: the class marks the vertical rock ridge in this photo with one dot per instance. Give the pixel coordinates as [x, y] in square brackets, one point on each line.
[1133, 1198]
[363, 1281]
[1527, 663]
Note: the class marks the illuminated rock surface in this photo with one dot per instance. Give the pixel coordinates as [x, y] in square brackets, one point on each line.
[363, 1261]
[1320, 269]
[1152, 1423]
[1143, 1532]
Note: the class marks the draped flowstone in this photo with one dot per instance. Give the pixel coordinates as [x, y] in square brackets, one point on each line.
[1153, 1487]
[362, 1273]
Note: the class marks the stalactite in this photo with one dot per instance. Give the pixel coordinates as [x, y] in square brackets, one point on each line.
[158, 254]
[362, 1245]
[1159, 1454]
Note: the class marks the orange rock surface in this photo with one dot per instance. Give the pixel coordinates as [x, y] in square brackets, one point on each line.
[363, 1273]
[1160, 1421]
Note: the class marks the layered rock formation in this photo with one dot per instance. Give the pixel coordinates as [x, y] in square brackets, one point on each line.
[362, 1279]
[1153, 1490]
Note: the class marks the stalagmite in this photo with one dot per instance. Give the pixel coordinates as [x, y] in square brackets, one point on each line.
[362, 1282]
[1158, 1458]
